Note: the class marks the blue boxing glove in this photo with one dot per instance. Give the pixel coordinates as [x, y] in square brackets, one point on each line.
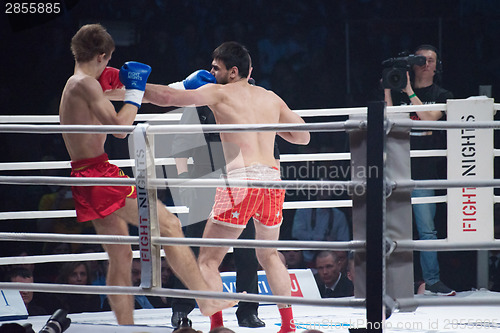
[194, 81]
[134, 76]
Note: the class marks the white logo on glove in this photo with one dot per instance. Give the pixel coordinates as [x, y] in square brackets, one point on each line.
[134, 76]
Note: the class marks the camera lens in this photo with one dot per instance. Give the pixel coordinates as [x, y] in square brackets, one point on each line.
[394, 78]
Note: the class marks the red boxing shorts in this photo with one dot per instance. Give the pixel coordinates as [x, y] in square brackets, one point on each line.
[96, 202]
[234, 206]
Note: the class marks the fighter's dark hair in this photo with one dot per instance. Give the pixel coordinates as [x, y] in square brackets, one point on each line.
[234, 54]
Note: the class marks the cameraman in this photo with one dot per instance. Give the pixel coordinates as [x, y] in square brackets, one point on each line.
[424, 90]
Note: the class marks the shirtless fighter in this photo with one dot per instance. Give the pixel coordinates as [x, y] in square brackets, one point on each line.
[249, 155]
[112, 207]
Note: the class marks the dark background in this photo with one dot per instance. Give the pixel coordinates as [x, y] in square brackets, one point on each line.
[313, 53]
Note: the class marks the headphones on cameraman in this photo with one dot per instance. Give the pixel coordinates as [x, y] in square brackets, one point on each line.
[439, 63]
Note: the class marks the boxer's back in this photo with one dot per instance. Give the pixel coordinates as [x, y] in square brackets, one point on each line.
[74, 109]
[243, 103]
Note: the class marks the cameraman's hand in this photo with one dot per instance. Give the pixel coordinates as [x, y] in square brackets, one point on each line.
[408, 89]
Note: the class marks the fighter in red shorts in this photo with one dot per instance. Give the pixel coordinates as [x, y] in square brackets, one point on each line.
[112, 208]
[234, 101]
[234, 206]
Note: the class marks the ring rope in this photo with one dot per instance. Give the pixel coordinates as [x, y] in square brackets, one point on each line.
[444, 245]
[284, 184]
[180, 182]
[402, 303]
[183, 129]
[178, 293]
[37, 214]
[212, 242]
[285, 158]
[42, 259]
[444, 183]
[227, 128]
[176, 116]
[443, 125]
[51, 129]
[399, 245]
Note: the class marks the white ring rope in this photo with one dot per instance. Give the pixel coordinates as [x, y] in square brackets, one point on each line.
[211, 242]
[176, 116]
[181, 182]
[225, 128]
[42, 259]
[284, 184]
[57, 129]
[443, 125]
[445, 245]
[285, 158]
[184, 129]
[444, 183]
[41, 214]
[411, 303]
[178, 293]
[399, 245]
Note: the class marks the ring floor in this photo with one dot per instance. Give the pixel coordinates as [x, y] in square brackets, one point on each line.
[327, 319]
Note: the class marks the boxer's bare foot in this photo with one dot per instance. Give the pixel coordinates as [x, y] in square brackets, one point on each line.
[210, 306]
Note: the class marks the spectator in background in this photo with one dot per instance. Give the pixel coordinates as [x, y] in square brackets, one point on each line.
[320, 224]
[48, 272]
[351, 273]
[77, 273]
[342, 257]
[150, 302]
[294, 259]
[330, 280]
[24, 275]
[16, 249]
[494, 270]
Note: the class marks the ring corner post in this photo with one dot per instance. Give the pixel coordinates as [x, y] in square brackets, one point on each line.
[375, 209]
[368, 153]
[147, 208]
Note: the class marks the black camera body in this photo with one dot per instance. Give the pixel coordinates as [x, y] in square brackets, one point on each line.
[57, 323]
[395, 69]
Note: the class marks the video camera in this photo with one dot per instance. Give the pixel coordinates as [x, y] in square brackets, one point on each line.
[57, 323]
[394, 73]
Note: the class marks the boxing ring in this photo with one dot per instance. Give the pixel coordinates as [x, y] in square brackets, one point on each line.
[383, 248]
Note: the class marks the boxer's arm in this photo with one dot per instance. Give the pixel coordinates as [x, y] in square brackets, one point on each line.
[287, 116]
[161, 95]
[102, 108]
[115, 95]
